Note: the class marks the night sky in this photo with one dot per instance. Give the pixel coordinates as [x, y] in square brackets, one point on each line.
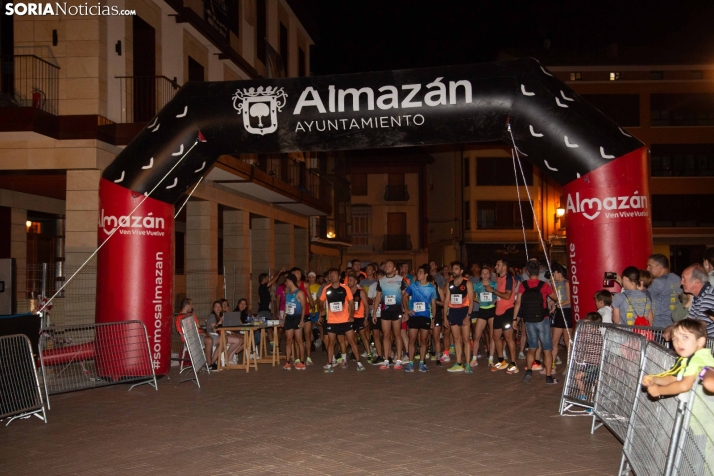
[371, 35]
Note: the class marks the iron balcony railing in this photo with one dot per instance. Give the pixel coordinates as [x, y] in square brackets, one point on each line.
[29, 81]
[329, 229]
[143, 96]
[396, 193]
[293, 173]
[397, 243]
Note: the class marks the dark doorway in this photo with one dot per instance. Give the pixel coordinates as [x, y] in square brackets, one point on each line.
[144, 49]
[681, 256]
[195, 70]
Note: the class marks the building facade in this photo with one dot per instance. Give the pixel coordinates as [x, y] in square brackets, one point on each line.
[389, 206]
[76, 89]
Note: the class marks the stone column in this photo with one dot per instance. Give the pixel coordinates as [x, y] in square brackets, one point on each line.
[262, 252]
[284, 245]
[236, 255]
[301, 248]
[18, 251]
[202, 281]
[82, 209]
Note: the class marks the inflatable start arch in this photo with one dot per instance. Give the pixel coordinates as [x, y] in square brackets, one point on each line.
[602, 167]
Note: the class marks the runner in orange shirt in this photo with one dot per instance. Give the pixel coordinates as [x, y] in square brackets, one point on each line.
[339, 306]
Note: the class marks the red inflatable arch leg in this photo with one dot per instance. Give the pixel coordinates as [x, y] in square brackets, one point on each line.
[135, 271]
[608, 225]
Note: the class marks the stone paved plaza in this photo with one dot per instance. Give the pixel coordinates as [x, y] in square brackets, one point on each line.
[309, 423]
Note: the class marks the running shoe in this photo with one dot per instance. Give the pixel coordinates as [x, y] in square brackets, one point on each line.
[428, 356]
[385, 365]
[521, 356]
[478, 356]
[417, 357]
[551, 381]
[423, 367]
[499, 366]
[287, 366]
[512, 369]
[445, 358]
[398, 365]
[557, 360]
[527, 377]
[343, 364]
[536, 366]
[360, 367]
[457, 367]
[452, 349]
[318, 342]
[409, 368]
[467, 370]
[474, 362]
[328, 366]
[364, 354]
[329, 371]
[433, 357]
[308, 362]
[376, 360]
[300, 366]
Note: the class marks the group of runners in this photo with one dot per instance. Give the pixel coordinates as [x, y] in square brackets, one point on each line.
[403, 321]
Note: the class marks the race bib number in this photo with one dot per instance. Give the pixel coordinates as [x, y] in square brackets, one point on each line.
[390, 300]
[314, 295]
[379, 311]
[456, 299]
[290, 309]
[335, 307]
[485, 297]
[420, 306]
[356, 306]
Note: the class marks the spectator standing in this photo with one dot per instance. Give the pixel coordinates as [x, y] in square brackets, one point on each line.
[631, 307]
[664, 289]
[695, 281]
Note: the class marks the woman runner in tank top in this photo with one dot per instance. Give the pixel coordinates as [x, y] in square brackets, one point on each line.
[359, 324]
[295, 307]
[561, 324]
[486, 313]
[459, 299]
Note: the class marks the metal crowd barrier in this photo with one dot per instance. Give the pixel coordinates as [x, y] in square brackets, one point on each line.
[20, 394]
[95, 355]
[695, 442]
[583, 367]
[584, 362]
[647, 448]
[194, 345]
[618, 380]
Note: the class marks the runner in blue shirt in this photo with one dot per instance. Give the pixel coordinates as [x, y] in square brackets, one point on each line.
[419, 315]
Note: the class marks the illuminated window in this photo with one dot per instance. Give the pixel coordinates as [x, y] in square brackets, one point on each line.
[614, 76]
[576, 76]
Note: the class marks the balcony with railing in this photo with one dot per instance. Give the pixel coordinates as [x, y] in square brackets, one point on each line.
[280, 179]
[143, 96]
[329, 230]
[293, 173]
[397, 243]
[396, 193]
[28, 81]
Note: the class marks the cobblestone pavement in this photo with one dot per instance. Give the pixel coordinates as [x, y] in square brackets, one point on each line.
[309, 423]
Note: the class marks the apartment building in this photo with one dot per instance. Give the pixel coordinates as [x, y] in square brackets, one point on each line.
[76, 89]
[389, 205]
[665, 100]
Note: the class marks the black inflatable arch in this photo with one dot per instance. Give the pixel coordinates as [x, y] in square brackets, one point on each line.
[601, 166]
